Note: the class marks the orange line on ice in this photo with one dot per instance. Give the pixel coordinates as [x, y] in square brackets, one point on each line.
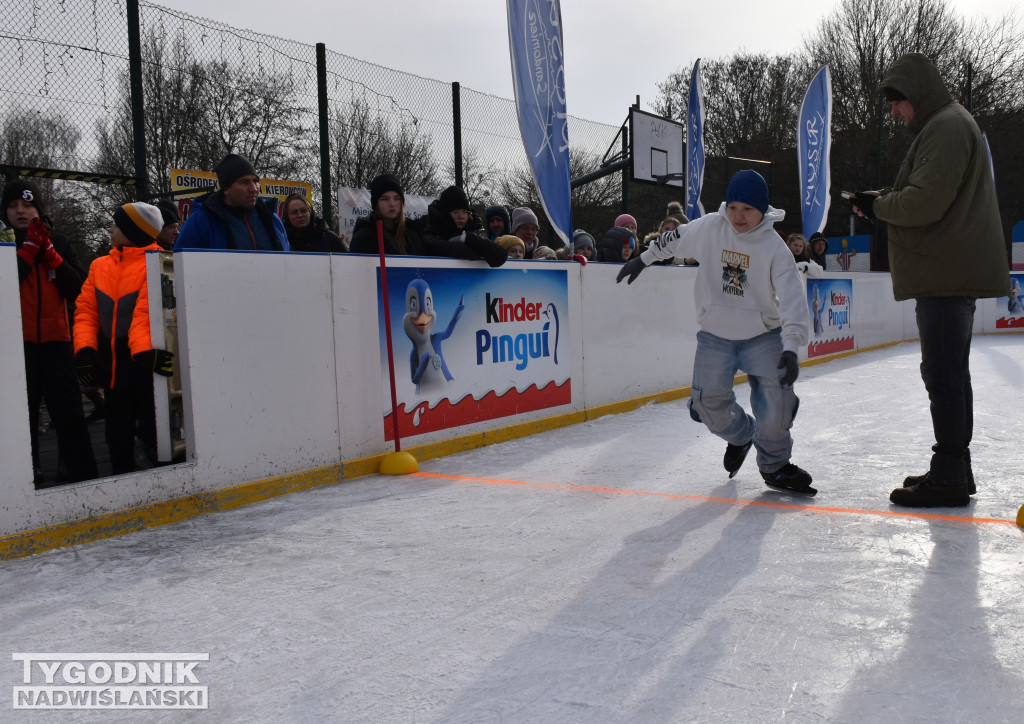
[735, 501]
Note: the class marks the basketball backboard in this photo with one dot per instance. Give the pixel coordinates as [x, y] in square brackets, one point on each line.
[656, 146]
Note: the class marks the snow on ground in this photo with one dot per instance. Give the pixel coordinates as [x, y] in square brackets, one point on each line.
[607, 572]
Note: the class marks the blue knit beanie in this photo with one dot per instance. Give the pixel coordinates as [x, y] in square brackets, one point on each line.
[748, 187]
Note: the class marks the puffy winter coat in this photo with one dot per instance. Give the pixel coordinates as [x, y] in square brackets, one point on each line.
[45, 295]
[207, 226]
[112, 312]
[945, 234]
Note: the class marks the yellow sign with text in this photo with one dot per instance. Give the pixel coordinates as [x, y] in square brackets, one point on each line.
[203, 182]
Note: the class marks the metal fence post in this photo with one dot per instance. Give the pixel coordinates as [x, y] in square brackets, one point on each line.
[135, 83]
[457, 127]
[326, 192]
[624, 208]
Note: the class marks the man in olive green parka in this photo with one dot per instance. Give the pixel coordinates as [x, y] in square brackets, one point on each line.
[946, 250]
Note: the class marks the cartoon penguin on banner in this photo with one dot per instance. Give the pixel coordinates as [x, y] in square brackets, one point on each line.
[429, 371]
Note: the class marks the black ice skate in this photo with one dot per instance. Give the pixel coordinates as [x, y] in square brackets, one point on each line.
[791, 479]
[734, 457]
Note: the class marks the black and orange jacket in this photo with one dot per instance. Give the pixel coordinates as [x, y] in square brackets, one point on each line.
[112, 312]
[45, 294]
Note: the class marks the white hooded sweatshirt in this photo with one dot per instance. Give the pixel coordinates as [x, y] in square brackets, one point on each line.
[747, 284]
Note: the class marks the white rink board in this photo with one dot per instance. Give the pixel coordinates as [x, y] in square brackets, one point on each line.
[281, 367]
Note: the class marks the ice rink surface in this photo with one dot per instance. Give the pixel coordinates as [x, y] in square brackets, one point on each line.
[606, 572]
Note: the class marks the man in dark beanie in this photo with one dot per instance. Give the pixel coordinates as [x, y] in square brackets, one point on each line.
[497, 222]
[234, 217]
[51, 277]
[946, 249]
[172, 223]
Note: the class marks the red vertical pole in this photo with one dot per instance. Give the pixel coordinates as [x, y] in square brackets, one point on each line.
[387, 332]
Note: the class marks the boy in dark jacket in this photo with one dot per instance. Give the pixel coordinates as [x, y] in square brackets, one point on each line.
[50, 276]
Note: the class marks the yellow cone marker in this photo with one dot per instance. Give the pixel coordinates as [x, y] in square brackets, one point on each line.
[401, 463]
[1020, 517]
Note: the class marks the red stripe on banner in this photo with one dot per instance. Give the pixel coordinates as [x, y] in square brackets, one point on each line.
[446, 414]
[831, 346]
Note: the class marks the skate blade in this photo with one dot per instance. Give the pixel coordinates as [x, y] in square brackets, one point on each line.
[805, 492]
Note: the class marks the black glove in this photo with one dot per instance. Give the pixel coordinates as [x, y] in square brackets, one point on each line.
[865, 202]
[492, 253]
[158, 360]
[631, 269]
[792, 367]
[87, 364]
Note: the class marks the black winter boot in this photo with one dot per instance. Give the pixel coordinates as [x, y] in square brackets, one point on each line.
[931, 494]
[912, 480]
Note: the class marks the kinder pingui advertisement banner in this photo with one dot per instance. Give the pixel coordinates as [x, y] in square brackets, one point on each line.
[830, 302]
[473, 345]
[1011, 308]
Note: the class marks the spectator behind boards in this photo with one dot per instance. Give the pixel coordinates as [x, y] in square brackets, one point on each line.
[450, 219]
[583, 244]
[627, 221]
[819, 249]
[234, 217]
[797, 244]
[752, 312]
[50, 276]
[946, 249]
[497, 221]
[513, 245]
[526, 227]
[402, 236]
[307, 231]
[112, 338]
[617, 245]
[172, 223]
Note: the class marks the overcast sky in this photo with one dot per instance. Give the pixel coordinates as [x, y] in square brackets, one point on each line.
[614, 51]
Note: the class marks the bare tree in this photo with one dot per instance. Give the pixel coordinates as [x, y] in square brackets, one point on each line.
[39, 139]
[255, 115]
[592, 204]
[980, 62]
[752, 101]
[478, 177]
[365, 144]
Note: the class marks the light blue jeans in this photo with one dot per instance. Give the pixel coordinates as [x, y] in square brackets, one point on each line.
[774, 406]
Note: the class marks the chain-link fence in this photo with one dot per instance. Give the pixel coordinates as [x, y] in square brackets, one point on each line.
[210, 88]
[63, 69]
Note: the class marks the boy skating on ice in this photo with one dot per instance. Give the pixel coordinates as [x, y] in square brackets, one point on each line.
[752, 313]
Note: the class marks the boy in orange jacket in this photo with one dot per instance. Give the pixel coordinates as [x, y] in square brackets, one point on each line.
[112, 340]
